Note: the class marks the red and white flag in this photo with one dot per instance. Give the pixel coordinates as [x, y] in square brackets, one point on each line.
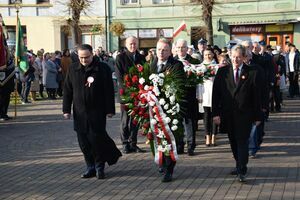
[181, 27]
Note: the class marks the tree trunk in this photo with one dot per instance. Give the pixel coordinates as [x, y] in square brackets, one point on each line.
[209, 34]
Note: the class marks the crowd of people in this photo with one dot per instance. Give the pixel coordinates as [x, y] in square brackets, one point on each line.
[249, 83]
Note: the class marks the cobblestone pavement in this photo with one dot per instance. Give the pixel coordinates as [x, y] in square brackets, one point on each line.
[40, 159]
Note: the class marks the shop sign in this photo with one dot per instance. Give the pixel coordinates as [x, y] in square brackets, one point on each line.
[164, 32]
[147, 33]
[128, 33]
[280, 28]
[246, 29]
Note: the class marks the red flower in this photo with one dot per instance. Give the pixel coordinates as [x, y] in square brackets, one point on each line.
[135, 103]
[189, 73]
[126, 78]
[150, 136]
[146, 125]
[140, 68]
[132, 95]
[132, 114]
[146, 116]
[136, 109]
[128, 84]
[141, 113]
[135, 79]
[141, 86]
[143, 101]
[212, 72]
[121, 91]
[135, 122]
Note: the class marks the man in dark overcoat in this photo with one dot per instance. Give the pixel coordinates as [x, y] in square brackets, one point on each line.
[162, 63]
[124, 61]
[191, 119]
[236, 103]
[89, 87]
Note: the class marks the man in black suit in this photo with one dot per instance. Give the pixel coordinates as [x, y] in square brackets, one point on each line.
[236, 103]
[191, 119]
[162, 63]
[292, 69]
[124, 61]
[89, 88]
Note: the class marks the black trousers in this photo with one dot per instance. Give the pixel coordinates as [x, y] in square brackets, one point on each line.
[240, 150]
[128, 129]
[4, 103]
[97, 149]
[294, 85]
[88, 144]
[209, 127]
[168, 164]
[276, 98]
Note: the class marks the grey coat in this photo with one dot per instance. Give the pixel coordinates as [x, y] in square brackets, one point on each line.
[50, 74]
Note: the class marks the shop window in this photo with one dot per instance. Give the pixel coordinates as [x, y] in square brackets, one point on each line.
[125, 2]
[161, 1]
[43, 1]
[15, 1]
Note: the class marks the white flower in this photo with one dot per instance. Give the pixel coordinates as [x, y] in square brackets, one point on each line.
[167, 120]
[175, 121]
[146, 87]
[174, 128]
[168, 147]
[153, 121]
[164, 142]
[177, 107]
[169, 111]
[161, 134]
[161, 75]
[152, 76]
[142, 81]
[172, 99]
[156, 91]
[162, 101]
[166, 106]
[151, 103]
[161, 148]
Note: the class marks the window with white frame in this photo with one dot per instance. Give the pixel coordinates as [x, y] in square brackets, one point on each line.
[161, 1]
[125, 2]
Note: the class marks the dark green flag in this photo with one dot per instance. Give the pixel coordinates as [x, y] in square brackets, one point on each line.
[21, 50]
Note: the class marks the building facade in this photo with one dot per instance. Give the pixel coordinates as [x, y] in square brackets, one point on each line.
[276, 21]
[45, 23]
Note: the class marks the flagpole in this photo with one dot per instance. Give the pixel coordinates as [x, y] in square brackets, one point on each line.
[17, 6]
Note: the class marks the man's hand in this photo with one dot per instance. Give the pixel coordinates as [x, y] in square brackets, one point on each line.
[217, 120]
[110, 115]
[67, 115]
[200, 100]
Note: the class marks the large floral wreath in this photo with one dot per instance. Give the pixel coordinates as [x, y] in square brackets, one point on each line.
[156, 102]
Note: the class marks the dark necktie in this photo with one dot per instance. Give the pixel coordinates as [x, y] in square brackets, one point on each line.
[237, 77]
[160, 67]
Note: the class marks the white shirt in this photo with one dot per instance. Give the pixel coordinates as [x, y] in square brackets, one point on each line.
[291, 62]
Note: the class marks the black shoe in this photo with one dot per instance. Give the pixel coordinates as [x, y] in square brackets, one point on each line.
[161, 170]
[167, 178]
[89, 173]
[137, 149]
[126, 149]
[180, 151]
[100, 174]
[242, 178]
[234, 172]
[191, 152]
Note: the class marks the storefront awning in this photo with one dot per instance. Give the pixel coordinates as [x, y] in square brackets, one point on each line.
[284, 21]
